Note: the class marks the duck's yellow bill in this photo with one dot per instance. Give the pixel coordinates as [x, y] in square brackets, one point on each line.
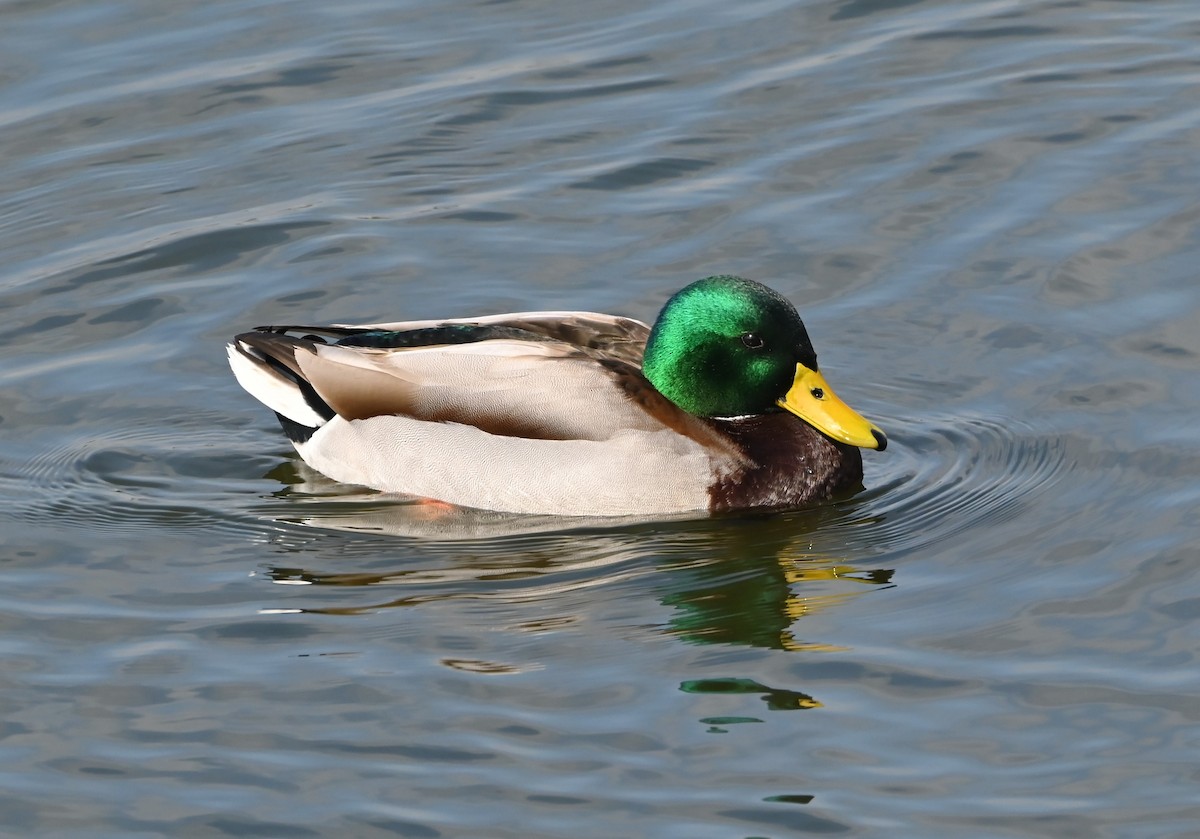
[811, 399]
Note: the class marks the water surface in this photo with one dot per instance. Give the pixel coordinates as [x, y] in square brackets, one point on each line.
[986, 212]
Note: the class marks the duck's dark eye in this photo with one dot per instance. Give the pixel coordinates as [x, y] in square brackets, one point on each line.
[753, 341]
[818, 393]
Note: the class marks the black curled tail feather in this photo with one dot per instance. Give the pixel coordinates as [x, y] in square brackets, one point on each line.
[296, 432]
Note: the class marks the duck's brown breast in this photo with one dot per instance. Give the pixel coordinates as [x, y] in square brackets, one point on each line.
[789, 464]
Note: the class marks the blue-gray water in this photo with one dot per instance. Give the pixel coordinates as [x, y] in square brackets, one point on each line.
[987, 213]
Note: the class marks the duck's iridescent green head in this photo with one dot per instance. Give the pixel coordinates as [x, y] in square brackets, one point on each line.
[727, 347]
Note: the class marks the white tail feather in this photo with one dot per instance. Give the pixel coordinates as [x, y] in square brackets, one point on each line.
[269, 387]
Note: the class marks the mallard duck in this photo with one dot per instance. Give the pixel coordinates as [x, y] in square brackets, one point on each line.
[719, 406]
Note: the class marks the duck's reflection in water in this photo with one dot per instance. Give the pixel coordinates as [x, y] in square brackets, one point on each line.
[743, 581]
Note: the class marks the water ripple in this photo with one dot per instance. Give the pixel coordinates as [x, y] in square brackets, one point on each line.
[125, 479]
[946, 476]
